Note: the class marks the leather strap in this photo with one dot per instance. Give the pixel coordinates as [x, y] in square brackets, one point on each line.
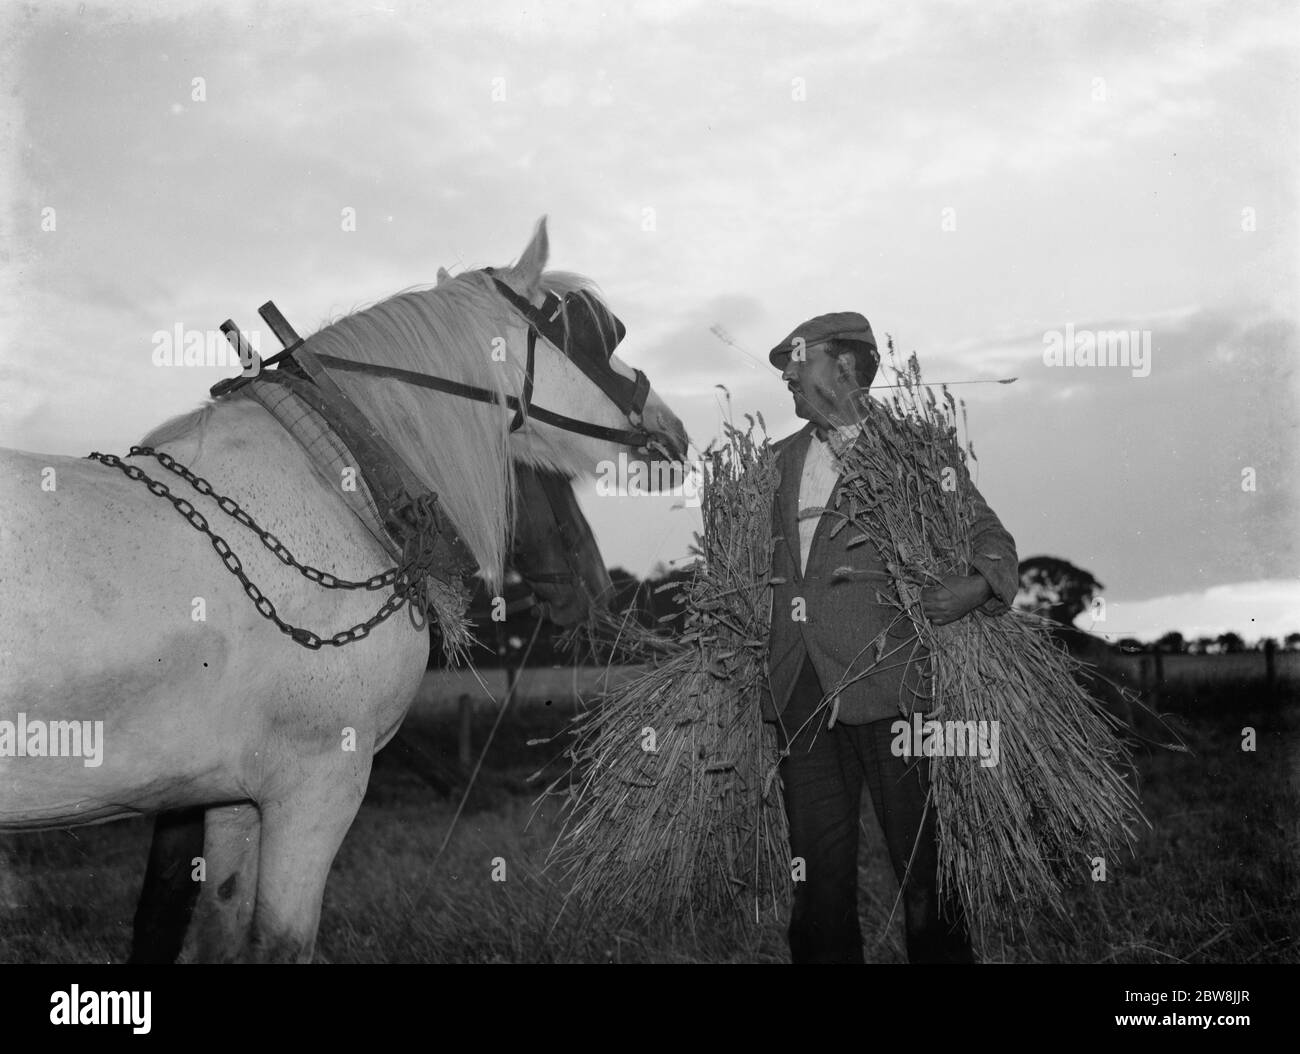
[469, 391]
[389, 477]
[628, 395]
[521, 411]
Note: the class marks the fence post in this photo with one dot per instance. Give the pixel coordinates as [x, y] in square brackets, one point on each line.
[464, 746]
[1270, 666]
[512, 675]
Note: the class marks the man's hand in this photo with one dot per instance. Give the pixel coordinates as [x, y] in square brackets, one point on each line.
[956, 597]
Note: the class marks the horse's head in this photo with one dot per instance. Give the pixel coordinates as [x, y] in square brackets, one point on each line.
[575, 372]
[434, 368]
[554, 550]
[556, 563]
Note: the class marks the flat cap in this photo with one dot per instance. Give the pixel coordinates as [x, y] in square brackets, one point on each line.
[838, 325]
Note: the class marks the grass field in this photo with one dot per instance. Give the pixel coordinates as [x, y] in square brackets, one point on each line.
[1214, 881]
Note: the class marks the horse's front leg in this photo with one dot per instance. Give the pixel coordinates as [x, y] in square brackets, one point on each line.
[302, 829]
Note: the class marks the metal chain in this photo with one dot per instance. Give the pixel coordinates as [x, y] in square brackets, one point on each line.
[408, 579]
[231, 508]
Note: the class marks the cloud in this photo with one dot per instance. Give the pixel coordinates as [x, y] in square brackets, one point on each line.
[1265, 608]
[1189, 475]
[767, 208]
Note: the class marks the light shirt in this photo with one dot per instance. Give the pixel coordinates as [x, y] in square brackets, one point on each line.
[821, 468]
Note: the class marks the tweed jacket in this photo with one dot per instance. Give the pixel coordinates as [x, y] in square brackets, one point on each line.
[836, 618]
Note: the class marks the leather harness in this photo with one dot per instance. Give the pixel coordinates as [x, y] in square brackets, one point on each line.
[395, 487]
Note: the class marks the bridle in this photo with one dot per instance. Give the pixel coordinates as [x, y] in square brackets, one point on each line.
[578, 325]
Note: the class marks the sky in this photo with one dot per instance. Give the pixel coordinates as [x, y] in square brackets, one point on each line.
[974, 178]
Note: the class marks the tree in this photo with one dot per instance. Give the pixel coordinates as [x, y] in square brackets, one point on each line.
[1172, 643]
[1058, 590]
[1292, 642]
[628, 592]
[1055, 588]
[1230, 643]
[666, 598]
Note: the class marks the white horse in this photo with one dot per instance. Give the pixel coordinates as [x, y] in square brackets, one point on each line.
[116, 610]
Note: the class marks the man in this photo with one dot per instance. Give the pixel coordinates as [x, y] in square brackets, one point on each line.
[826, 623]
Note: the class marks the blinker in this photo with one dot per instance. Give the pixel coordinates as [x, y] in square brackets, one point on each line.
[579, 324]
[583, 326]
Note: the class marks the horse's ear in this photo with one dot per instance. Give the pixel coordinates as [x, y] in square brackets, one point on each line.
[528, 271]
[443, 275]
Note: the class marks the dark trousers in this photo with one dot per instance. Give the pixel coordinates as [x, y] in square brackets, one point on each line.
[823, 776]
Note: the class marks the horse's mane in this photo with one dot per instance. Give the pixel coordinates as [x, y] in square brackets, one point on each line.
[457, 446]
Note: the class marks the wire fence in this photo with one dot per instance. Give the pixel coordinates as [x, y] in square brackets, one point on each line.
[443, 690]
